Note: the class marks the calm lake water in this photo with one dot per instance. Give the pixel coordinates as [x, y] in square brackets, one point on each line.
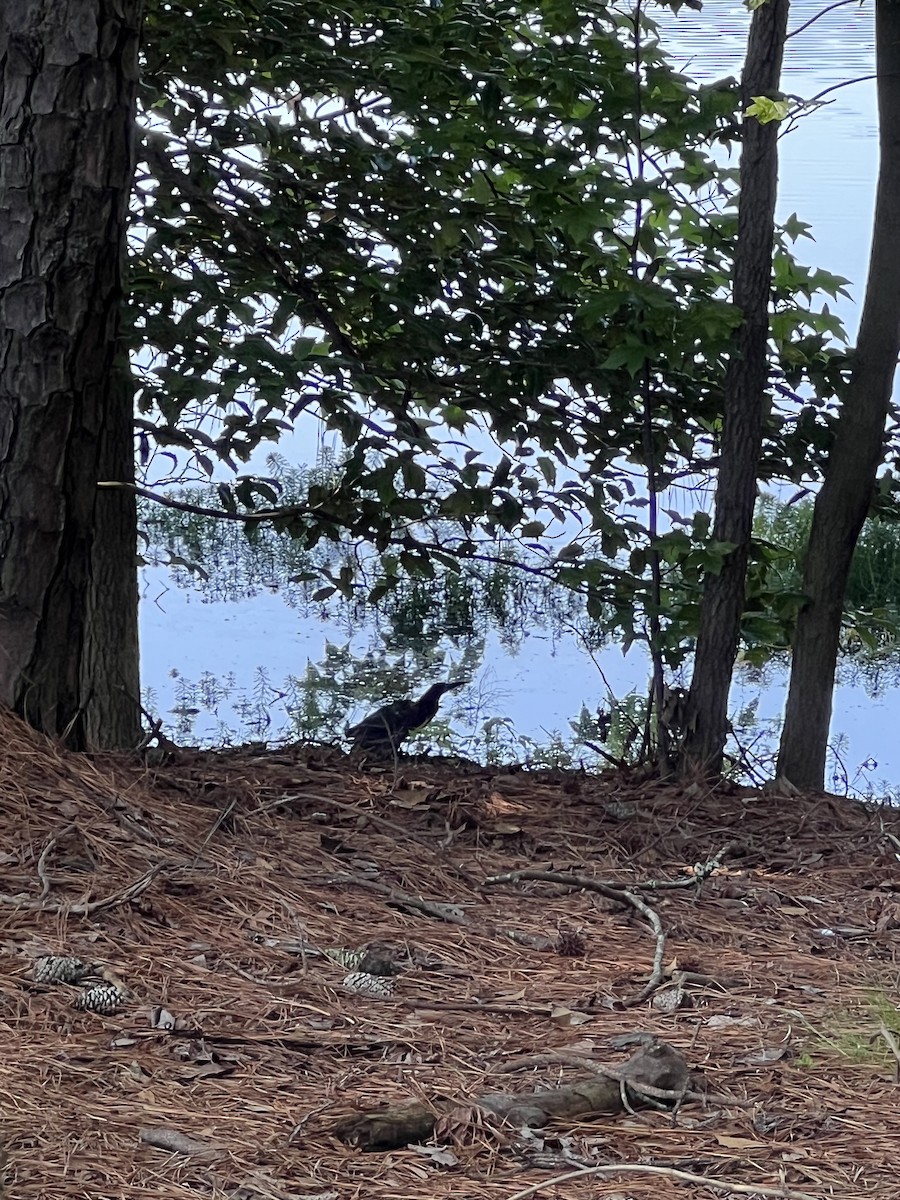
[828, 169]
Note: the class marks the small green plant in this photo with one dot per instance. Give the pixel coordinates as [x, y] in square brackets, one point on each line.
[885, 1011]
[853, 1035]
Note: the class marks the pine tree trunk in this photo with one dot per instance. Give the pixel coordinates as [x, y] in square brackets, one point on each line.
[68, 586]
[722, 605]
[844, 498]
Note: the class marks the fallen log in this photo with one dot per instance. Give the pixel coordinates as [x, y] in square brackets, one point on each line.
[657, 1066]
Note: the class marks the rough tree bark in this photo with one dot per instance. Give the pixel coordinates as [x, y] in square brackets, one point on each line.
[722, 604]
[68, 584]
[843, 501]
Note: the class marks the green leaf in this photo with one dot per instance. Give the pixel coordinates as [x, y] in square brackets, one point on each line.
[533, 529]
[632, 356]
[795, 228]
[766, 109]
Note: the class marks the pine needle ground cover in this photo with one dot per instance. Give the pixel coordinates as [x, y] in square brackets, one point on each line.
[235, 906]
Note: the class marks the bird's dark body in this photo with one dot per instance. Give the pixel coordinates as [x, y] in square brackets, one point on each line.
[384, 730]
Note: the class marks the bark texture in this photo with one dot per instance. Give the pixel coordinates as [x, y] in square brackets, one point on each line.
[722, 605]
[68, 585]
[844, 499]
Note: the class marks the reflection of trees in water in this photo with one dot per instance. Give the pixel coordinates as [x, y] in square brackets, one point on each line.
[420, 631]
[426, 629]
[877, 673]
[871, 633]
[318, 705]
[222, 563]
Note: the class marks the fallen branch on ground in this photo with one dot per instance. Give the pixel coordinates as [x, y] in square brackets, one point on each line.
[453, 913]
[655, 1066]
[353, 809]
[85, 908]
[621, 896]
[736, 1189]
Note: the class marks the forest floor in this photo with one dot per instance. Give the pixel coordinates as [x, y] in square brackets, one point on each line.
[208, 887]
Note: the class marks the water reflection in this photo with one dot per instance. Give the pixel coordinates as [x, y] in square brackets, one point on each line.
[836, 47]
[828, 167]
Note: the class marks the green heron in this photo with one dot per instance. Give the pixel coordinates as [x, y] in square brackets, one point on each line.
[385, 729]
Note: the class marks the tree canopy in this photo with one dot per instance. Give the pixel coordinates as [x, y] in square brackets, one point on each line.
[488, 249]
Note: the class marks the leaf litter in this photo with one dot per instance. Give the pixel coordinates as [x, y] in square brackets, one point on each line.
[224, 891]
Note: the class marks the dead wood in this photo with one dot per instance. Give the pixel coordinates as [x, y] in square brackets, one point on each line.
[268, 1051]
[453, 913]
[621, 896]
[756, 1190]
[658, 1067]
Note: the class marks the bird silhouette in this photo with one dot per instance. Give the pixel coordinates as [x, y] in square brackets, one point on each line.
[386, 728]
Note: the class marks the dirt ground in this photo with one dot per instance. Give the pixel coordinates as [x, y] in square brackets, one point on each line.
[207, 888]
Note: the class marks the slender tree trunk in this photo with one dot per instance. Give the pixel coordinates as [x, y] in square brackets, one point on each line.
[745, 386]
[68, 586]
[844, 498]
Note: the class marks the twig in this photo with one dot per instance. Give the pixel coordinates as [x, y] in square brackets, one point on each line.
[223, 514]
[587, 1064]
[215, 827]
[155, 731]
[275, 982]
[657, 972]
[887, 833]
[501, 1010]
[701, 872]
[892, 1044]
[821, 13]
[610, 758]
[620, 896]
[530, 1061]
[86, 907]
[453, 913]
[741, 1189]
[355, 811]
[45, 854]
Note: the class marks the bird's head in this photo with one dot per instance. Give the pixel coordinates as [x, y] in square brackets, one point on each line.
[427, 705]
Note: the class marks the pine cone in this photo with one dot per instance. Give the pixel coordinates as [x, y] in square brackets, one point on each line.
[345, 957]
[369, 985]
[105, 999]
[60, 968]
